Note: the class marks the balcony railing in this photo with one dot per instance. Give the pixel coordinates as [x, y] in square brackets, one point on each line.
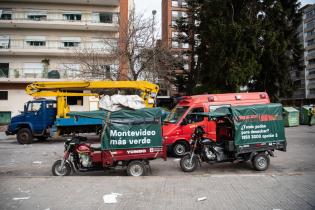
[58, 15]
[34, 73]
[68, 45]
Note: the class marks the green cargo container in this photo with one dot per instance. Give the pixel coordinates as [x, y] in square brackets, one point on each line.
[5, 118]
[291, 116]
[125, 129]
[304, 115]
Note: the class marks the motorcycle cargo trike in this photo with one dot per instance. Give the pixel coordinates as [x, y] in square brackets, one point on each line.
[130, 138]
[243, 133]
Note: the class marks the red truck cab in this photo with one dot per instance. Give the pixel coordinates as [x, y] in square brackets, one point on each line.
[179, 125]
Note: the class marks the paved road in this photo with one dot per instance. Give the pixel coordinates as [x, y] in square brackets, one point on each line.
[288, 184]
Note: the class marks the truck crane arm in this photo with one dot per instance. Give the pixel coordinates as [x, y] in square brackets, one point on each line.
[62, 89]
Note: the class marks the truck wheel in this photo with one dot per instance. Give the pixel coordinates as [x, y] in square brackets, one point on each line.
[179, 149]
[57, 171]
[136, 168]
[24, 136]
[261, 162]
[186, 165]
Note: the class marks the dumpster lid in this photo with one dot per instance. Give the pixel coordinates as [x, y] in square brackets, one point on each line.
[290, 109]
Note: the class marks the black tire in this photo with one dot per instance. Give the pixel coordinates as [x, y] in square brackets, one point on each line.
[261, 162]
[136, 168]
[63, 172]
[24, 136]
[179, 149]
[185, 164]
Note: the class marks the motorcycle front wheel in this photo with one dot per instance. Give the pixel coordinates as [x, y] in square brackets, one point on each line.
[58, 171]
[188, 165]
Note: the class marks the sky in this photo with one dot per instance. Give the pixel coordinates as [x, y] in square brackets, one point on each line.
[146, 7]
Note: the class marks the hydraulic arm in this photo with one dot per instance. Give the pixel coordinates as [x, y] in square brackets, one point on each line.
[62, 89]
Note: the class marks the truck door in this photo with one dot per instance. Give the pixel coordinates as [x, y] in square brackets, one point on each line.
[35, 115]
[51, 111]
[193, 121]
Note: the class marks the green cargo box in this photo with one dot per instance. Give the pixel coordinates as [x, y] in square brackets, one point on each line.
[291, 116]
[256, 124]
[304, 120]
[125, 129]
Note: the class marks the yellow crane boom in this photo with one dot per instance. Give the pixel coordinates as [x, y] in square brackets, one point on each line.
[62, 89]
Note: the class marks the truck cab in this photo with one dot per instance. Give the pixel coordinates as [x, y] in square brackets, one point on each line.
[179, 125]
[34, 121]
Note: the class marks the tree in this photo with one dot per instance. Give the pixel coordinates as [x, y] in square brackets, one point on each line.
[187, 29]
[249, 44]
[229, 32]
[136, 46]
[280, 48]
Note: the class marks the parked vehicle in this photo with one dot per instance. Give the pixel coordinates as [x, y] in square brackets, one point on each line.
[130, 138]
[179, 125]
[43, 118]
[243, 133]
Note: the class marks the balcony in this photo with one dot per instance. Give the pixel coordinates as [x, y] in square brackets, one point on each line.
[37, 73]
[54, 47]
[51, 19]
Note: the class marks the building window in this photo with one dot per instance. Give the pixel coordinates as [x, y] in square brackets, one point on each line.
[174, 3]
[310, 13]
[33, 70]
[71, 70]
[185, 45]
[105, 17]
[72, 16]
[4, 41]
[36, 43]
[174, 15]
[37, 15]
[3, 95]
[310, 42]
[4, 70]
[184, 3]
[175, 44]
[174, 23]
[6, 14]
[311, 62]
[70, 42]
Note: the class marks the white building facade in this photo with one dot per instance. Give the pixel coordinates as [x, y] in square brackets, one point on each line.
[39, 38]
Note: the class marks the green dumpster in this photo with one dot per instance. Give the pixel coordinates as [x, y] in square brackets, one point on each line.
[5, 118]
[304, 115]
[291, 116]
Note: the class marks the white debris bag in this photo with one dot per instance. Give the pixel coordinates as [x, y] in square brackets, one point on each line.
[111, 198]
[118, 102]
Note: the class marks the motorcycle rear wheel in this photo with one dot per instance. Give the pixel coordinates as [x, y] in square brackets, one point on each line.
[57, 171]
[185, 164]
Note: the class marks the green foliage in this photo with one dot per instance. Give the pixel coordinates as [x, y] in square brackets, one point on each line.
[247, 43]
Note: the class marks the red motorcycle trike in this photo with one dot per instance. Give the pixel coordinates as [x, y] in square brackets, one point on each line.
[130, 138]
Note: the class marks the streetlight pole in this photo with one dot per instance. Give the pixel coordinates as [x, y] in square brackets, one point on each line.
[153, 40]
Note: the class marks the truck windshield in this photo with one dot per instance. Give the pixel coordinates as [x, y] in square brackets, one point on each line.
[176, 114]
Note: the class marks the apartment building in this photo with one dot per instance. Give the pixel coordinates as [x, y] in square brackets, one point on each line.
[39, 40]
[171, 11]
[305, 80]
